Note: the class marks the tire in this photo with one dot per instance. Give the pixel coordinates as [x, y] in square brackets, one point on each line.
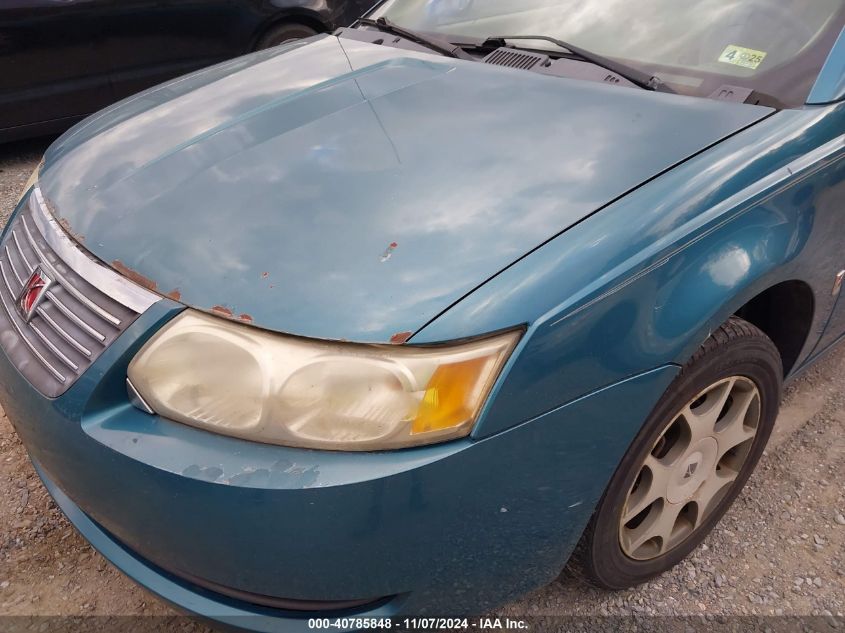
[281, 33]
[735, 360]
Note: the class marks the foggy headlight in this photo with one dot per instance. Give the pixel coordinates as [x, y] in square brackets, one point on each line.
[238, 380]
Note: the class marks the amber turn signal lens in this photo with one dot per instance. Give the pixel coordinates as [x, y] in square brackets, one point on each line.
[452, 395]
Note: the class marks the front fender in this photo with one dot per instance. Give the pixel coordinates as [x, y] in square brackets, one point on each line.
[785, 237]
[645, 280]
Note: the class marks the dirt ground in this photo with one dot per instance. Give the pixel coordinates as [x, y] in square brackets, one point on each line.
[779, 551]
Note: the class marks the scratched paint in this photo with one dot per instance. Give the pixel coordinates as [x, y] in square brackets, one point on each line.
[282, 474]
[207, 473]
[387, 254]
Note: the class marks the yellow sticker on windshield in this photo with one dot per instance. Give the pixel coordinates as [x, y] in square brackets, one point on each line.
[740, 56]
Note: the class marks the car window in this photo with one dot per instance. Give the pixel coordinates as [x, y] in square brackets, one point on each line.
[774, 46]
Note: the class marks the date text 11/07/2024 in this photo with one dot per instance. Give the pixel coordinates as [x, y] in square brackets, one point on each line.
[420, 624]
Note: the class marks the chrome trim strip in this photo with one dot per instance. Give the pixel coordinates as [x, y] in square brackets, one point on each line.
[103, 279]
[73, 317]
[56, 351]
[13, 267]
[137, 399]
[70, 288]
[817, 155]
[55, 372]
[22, 254]
[79, 347]
[8, 287]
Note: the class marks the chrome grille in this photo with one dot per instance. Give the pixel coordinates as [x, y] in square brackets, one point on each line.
[83, 310]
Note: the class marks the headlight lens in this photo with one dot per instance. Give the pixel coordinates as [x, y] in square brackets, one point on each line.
[238, 380]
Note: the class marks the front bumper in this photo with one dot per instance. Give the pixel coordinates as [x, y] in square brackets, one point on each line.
[452, 529]
[188, 597]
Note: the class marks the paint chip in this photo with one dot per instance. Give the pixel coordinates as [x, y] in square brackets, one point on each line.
[400, 337]
[222, 310]
[389, 252]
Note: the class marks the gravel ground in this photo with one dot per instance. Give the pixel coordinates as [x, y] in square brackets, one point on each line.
[779, 551]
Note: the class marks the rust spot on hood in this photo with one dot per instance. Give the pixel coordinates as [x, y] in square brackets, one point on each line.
[69, 230]
[49, 203]
[63, 222]
[400, 337]
[133, 275]
[222, 311]
[174, 294]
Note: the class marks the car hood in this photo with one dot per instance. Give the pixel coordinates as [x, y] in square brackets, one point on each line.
[346, 190]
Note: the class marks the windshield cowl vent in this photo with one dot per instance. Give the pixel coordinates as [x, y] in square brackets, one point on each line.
[515, 59]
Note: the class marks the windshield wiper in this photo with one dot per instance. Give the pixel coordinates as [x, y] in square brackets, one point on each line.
[636, 77]
[441, 46]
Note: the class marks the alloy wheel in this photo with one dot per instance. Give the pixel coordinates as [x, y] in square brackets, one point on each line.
[691, 467]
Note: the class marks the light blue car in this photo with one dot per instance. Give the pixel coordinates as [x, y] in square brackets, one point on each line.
[402, 320]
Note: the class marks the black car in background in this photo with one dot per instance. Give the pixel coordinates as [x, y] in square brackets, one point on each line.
[61, 60]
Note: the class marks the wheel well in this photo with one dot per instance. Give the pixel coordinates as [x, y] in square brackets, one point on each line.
[305, 19]
[785, 313]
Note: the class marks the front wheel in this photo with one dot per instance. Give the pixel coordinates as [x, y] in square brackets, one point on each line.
[688, 463]
[282, 33]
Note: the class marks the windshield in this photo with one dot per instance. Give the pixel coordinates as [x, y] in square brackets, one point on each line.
[776, 47]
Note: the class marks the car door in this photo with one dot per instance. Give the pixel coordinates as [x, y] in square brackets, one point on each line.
[836, 329]
[51, 63]
[151, 41]
[836, 326]
[830, 203]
